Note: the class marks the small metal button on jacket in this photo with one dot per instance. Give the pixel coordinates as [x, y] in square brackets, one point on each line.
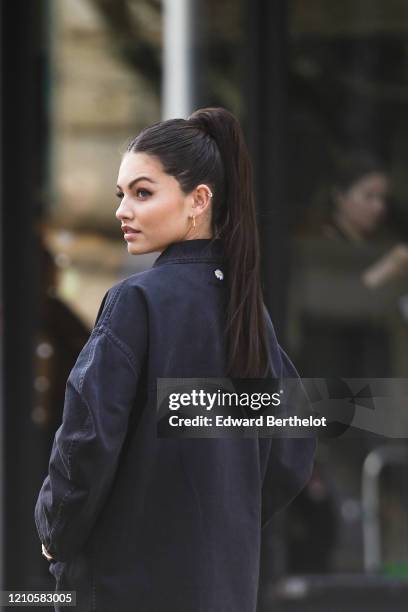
[219, 274]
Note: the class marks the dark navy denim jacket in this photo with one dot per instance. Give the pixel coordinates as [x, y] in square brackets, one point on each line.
[137, 522]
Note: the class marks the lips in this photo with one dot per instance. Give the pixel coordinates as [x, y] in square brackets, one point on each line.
[129, 230]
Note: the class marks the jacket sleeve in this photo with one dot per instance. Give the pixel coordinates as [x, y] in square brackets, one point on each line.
[290, 460]
[99, 396]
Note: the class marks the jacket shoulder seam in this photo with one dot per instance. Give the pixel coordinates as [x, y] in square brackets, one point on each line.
[111, 300]
[122, 346]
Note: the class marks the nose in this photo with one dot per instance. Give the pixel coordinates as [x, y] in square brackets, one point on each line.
[379, 205]
[123, 211]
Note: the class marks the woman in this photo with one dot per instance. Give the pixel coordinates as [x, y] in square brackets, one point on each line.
[359, 199]
[129, 520]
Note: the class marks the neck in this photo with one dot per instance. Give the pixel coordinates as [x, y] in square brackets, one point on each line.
[344, 224]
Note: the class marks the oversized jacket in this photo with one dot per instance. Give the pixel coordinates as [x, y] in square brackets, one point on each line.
[135, 521]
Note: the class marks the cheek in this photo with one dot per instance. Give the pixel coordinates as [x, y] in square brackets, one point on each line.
[368, 212]
[165, 211]
[351, 206]
[148, 215]
[359, 205]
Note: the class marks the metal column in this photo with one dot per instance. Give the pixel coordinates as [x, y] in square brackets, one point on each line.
[265, 100]
[182, 71]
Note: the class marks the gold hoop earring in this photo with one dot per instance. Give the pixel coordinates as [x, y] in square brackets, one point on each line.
[194, 221]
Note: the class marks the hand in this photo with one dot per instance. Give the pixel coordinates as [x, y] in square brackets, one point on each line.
[45, 553]
[391, 266]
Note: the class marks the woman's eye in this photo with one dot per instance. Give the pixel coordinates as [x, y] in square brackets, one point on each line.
[143, 191]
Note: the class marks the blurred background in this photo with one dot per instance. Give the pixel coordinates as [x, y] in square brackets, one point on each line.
[321, 90]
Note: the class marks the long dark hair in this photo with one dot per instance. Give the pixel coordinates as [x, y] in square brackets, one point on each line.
[355, 165]
[209, 147]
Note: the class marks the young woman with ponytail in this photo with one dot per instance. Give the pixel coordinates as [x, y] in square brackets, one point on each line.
[130, 520]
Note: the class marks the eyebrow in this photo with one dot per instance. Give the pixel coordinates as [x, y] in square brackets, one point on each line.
[136, 180]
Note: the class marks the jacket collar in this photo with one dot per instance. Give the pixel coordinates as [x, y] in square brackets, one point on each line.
[189, 251]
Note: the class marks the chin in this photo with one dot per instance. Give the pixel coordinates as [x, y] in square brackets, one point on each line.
[136, 249]
[371, 228]
[140, 249]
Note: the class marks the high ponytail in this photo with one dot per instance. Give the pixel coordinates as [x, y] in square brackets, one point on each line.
[235, 220]
[209, 147]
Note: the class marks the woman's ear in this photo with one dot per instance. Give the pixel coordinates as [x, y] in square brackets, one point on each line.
[202, 199]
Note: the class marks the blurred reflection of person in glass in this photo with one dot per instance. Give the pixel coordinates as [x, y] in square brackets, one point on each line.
[348, 275]
[360, 198]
